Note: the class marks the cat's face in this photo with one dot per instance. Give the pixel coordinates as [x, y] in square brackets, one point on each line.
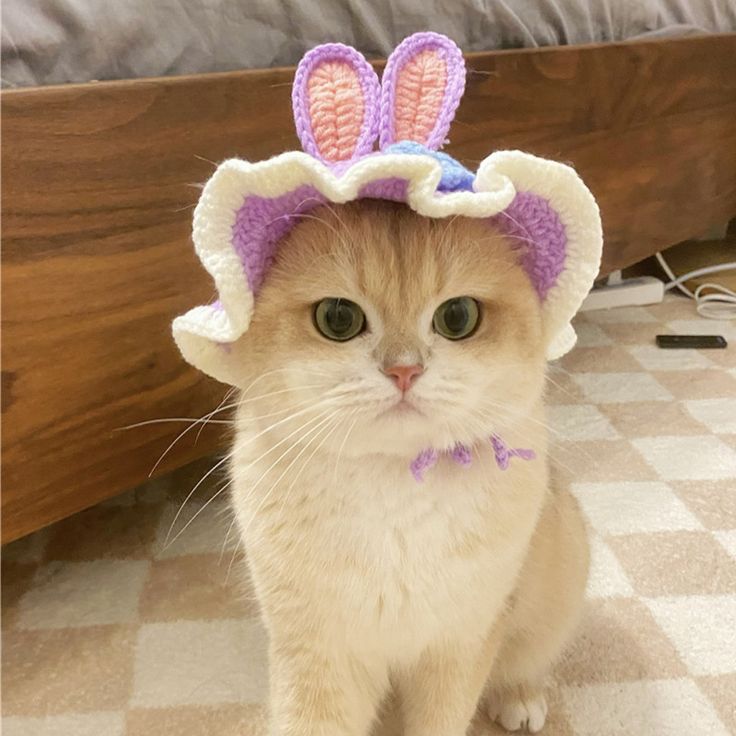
[436, 339]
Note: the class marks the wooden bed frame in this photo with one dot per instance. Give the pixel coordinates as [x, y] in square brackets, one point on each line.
[99, 181]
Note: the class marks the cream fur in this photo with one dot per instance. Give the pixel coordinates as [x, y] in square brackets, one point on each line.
[454, 592]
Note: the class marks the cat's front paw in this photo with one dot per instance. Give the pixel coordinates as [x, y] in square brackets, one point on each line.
[515, 714]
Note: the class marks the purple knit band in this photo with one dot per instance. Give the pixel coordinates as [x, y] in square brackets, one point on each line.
[541, 238]
[423, 462]
[462, 455]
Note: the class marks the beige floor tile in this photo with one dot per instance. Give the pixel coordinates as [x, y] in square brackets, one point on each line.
[606, 578]
[724, 358]
[605, 460]
[110, 723]
[590, 335]
[696, 457]
[721, 690]
[618, 388]
[67, 670]
[122, 532]
[17, 579]
[575, 422]
[618, 641]
[202, 526]
[653, 358]
[718, 415]
[729, 439]
[728, 541]
[621, 315]
[605, 359]
[675, 563]
[634, 334]
[69, 594]
[696, 325]
[674, 307]
[628, 507]
[701, 628]
[703, 384]
[222, 720]
[712, 501]
[200, 663]
[650, 419]
[651, 708]
[561, 388]
[194, 587]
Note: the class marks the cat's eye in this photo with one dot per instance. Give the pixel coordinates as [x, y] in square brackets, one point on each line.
[456, 318]
[339, 319]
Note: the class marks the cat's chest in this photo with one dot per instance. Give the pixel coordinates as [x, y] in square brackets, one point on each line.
[387, 554]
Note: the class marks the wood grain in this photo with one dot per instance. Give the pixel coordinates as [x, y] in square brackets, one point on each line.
[97, 189]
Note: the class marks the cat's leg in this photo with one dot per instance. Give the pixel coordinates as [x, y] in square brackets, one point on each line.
[439, 694]
[545, 608]
[318, 693]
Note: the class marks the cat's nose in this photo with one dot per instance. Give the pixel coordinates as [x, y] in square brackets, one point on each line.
[404, 375]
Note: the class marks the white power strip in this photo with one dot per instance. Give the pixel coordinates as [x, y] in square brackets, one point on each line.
[625, 293]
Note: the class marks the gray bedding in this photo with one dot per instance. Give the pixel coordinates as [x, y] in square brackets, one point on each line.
[58, 41]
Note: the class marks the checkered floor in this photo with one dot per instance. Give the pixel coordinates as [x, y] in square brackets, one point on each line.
[107, 631]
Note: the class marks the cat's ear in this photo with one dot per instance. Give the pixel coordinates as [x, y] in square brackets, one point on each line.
[422, 85]
[335, 98]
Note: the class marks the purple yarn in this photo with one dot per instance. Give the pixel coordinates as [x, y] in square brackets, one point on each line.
[455, 85]
[425, 460]
[369, 85]
[462, 455]
[504, 453]
[393, 189]
[542, 236]
[261, 222]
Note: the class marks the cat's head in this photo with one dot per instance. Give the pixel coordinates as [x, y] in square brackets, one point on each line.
[412, 332]
[254, 216]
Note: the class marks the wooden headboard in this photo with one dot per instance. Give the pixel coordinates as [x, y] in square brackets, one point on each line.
[98, 182]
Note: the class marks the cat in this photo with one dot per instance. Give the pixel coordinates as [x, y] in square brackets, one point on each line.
[394, 552]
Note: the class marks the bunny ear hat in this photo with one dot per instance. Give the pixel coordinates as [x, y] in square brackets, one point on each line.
[341, 110]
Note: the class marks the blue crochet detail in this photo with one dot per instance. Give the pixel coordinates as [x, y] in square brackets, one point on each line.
[455, 177]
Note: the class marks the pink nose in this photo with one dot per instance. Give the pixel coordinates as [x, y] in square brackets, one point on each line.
[404, 375]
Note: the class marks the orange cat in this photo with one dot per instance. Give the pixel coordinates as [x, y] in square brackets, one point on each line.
[465, 584]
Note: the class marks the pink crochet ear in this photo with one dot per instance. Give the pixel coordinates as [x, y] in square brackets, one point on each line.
[335, 99]
[422, 86]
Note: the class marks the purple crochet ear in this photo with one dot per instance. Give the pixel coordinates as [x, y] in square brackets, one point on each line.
[421, 89]
[335, 99]
[541, 237]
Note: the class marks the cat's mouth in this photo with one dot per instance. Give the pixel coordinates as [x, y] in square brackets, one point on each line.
[402, 407]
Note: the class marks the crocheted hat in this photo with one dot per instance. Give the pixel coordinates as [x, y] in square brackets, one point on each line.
[340, 109]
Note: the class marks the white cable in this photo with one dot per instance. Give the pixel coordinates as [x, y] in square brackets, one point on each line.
[719, 303]
[670, 273]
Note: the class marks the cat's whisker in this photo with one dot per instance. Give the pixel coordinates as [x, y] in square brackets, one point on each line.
[281, 391]
[226, 540]
[514, 435]
[298, 475]
[344, 441]
[170, 420]
[242, 445]
[225, 399]
[197, 513]
[265, 498]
